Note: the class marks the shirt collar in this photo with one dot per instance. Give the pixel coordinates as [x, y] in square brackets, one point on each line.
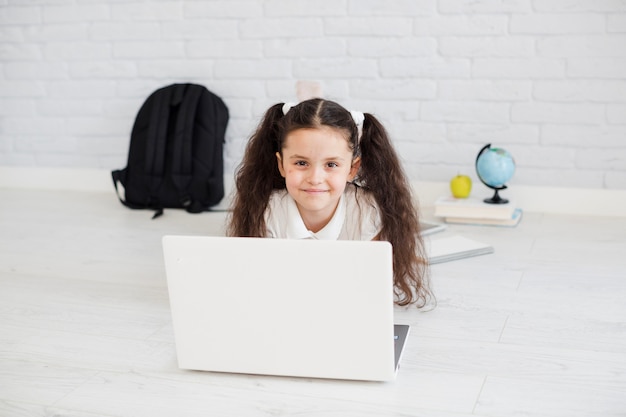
[297, 230]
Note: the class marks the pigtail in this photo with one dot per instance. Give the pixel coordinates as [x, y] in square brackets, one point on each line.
[256, 178]
[382, 175]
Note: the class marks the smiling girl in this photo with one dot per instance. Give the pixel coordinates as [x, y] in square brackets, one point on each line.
[318, 171]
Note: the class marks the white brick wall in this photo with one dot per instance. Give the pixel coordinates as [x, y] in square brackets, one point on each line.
[544, 79]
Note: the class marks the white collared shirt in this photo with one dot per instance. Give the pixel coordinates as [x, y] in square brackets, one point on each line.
[356, 218]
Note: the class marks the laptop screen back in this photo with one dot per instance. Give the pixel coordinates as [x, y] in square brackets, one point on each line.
[282, 307]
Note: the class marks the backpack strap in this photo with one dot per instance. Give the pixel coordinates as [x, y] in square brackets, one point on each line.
[182, 150]
[156, 147]
[119, 176]
[157, 139]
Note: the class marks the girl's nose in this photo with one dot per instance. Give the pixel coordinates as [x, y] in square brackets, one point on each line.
[315, 175]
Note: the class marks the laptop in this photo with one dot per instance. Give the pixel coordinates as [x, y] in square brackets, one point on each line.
[303, 308]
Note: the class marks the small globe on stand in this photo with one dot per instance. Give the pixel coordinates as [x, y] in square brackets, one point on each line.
[495, 167]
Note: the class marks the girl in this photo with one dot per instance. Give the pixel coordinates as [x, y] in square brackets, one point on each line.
[316, 170]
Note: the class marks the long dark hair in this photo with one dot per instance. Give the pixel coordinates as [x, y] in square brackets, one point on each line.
[380, 174]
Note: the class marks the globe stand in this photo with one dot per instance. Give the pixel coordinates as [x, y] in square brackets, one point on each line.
[496, 199]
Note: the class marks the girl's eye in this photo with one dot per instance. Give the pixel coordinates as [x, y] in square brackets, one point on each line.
[332, 165]
[300, 163]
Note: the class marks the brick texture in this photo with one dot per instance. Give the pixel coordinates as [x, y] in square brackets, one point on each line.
[545, 80]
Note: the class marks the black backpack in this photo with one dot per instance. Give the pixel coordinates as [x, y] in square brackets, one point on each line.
[175, 158]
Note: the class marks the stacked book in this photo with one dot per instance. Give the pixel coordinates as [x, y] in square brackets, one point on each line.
[475, 211]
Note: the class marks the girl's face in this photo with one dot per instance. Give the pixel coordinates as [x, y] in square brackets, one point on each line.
[316, 164]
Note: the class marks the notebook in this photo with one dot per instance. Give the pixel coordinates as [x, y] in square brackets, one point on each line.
[428, 227]
[304, 308]
[455, 247]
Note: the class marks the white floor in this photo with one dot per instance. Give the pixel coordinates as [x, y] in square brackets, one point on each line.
[536, 329]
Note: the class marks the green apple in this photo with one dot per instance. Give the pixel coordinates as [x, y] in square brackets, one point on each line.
[461, 186]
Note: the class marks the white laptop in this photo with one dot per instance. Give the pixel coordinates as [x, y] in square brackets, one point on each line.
[305, 308]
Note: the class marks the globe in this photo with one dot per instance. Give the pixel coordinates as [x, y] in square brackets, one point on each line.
[495, 167]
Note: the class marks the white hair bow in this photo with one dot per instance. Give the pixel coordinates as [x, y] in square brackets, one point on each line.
[287, 106]
[358, 118]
